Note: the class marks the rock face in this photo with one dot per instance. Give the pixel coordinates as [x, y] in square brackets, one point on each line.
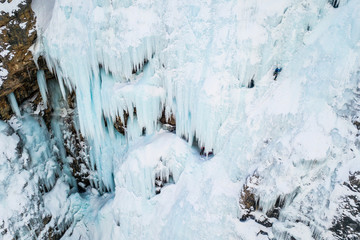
[119, 125]
[17, 68]
[249, 204]
[346, 224]
[250, 208]
[18, 74]
[168, 123]
[17, 35]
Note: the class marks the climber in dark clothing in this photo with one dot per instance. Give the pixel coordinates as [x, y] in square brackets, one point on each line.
[202, 152]
[205, 153]
[251, 84]
[276, 72]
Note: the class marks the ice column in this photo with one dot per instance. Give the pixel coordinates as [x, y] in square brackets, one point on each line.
[14, 104]
[42, 85]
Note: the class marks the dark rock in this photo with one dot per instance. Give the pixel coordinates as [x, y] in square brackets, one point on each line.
[140, 67]
[119, 125]
[76, 147]
[275, 211]
[16, 37]
[346, 224]
[334, 3]
[5, 109]
[17, 40]
[357, 124]
[265, 222]
[170, 121]
[262, 233]
[248, 200]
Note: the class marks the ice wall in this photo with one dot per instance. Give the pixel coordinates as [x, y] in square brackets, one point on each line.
[195, 59]
[201, 57]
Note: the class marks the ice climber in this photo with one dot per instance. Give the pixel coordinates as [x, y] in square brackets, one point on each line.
[276, 72]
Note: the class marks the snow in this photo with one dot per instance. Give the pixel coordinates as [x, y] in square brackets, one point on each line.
[8, 144]
[43, 13]
[10, 7]
[27, 167]
[3, 74]
[313, 143]
[23, 25]
[56, 198]
[165, 157]
[3, 54]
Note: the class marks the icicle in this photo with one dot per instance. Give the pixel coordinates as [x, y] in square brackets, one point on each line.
[14, 104]
[42, 85]
[133, 129]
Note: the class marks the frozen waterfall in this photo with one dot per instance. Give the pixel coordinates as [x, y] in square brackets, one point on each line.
[291, 141]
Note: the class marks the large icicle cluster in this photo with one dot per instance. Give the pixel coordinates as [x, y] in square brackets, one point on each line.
[200, 57]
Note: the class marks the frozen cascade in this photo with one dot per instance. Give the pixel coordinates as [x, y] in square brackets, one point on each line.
[31, 187]
[194, 60]
[42, 153]
[198, 87]
[59, 113]
[42, 85]
[14, 104]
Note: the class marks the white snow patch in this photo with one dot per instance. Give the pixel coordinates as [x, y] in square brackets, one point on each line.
[11, 7]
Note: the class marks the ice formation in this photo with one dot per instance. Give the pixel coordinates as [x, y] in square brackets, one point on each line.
[14, 105]
[194, 60]
[42, 85]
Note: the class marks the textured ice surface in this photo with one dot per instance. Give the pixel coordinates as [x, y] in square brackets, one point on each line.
[195, 59]
[27, 167]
